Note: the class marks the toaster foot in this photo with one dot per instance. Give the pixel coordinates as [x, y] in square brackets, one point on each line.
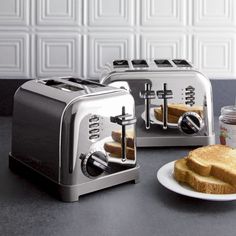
[136, 181]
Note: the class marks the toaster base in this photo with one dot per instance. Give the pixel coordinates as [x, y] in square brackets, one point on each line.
[72, 193]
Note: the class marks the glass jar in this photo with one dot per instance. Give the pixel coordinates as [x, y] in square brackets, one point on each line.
[227, 123]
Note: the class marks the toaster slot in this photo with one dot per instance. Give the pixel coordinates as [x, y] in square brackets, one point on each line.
[181, 63]
[84, 82]
[120, 64]
[163, 63]
[62, 86]
[139, 63]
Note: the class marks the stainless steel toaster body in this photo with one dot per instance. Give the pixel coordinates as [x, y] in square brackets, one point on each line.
[157, 83]
[59, 123]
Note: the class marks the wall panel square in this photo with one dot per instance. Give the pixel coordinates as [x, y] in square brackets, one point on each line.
[103, 48]
[111, 12]
[14, 12]
[58, 55]
[214, 54]
[59, 12]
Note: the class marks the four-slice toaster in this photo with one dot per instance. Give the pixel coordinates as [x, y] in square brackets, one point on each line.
[164, 89]
[62, 131]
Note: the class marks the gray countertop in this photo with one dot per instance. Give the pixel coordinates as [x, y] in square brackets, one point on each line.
[145, 208]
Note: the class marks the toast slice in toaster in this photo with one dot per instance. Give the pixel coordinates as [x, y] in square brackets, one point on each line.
[218, 161]
[179, 109]
[115, 150]
[116, 136]
[200, 183]
[159, 116]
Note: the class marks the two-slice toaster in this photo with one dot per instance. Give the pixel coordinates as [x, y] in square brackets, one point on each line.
[72, 133]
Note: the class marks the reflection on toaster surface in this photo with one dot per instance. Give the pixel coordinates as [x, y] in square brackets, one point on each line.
[114, 147]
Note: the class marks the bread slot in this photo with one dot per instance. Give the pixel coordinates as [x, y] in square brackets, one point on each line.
[61, 86]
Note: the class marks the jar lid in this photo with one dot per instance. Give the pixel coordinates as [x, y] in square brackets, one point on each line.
[229, 110]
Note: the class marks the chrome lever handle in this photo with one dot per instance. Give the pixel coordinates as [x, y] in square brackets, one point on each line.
[123, 138]
[147, 94]
[123, 121]
[165, 94]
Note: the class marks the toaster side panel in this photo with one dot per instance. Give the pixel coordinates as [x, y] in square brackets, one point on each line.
[36, 132]
[82, 139]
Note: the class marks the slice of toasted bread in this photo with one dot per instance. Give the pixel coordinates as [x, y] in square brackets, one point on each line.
[214, 160]
[179, 109]
[115, 148]
[116, 136]
[159, 116]
[200, 183]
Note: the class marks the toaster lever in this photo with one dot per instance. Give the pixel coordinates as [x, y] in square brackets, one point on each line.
[147, 94]
[123, 121]
[165, 94]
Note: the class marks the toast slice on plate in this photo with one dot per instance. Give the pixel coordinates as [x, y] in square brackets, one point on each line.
[218, 161]
[204, 184]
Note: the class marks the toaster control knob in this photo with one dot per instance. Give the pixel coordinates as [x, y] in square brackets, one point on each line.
[190, 123]
[94, 164]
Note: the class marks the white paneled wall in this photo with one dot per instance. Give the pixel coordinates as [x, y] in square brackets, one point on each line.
[40, 38]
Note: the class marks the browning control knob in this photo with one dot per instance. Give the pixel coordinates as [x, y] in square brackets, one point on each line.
[94, 164]
[190, 123]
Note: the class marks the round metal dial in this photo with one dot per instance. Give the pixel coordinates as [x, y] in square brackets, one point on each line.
[190, 123]
[94, 164]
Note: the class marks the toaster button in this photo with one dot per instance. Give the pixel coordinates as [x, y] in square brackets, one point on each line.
[94, 119]
[190, 93]
[190, 89]
[94, 131]
[94, 125]
[95, 136]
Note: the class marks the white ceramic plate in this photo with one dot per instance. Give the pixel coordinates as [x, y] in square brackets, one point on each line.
[155, 121]
[165, 177]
